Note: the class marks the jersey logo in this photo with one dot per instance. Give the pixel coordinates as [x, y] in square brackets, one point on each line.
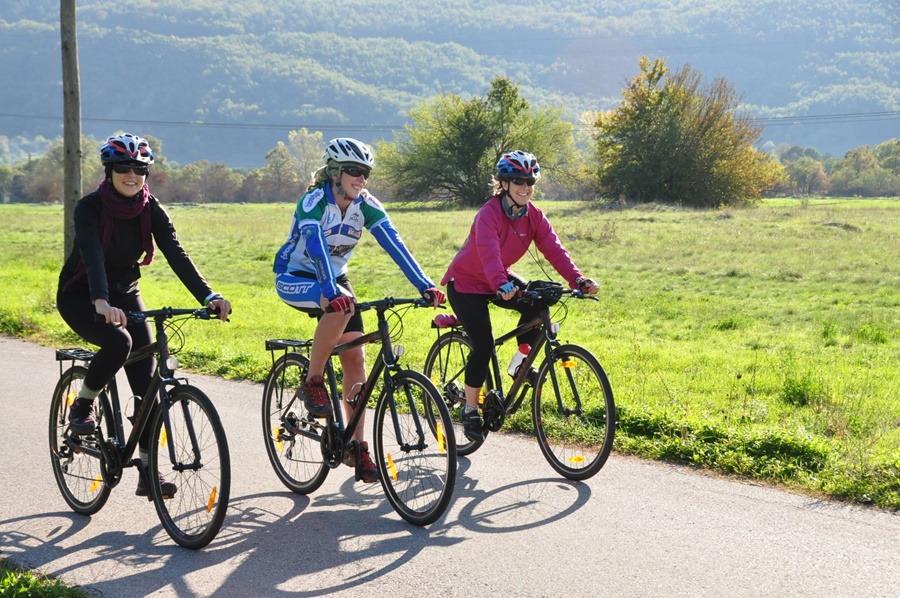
[312, 198]
[294, 288]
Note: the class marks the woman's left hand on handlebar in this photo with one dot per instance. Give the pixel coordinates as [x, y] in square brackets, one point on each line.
[221, 307]
[435, 296]
[587, 286]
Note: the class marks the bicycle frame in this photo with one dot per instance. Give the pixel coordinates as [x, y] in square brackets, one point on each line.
[509, 403]
[385, 365]
[118, 450]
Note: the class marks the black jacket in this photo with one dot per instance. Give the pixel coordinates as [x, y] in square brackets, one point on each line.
[116, 269]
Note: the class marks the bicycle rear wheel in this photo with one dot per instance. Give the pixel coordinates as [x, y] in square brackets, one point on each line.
[293, 437]
[190, 451]
[445, 365]
[576, 442]
[416, 454]
[76, 465]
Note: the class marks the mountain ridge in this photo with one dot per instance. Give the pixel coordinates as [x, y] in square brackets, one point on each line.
[226, 82]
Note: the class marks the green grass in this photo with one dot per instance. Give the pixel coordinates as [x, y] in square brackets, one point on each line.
[759, 342]
[15, 581]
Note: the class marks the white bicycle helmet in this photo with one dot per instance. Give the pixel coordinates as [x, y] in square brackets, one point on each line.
[345, 150]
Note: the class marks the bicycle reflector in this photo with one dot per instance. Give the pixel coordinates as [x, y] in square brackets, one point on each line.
[399, 350]
[172, 363]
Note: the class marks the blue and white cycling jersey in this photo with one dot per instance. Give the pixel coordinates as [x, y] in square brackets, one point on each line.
[322, 240]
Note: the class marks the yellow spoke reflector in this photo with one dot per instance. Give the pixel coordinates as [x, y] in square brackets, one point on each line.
[162, 438]
[577, 459]
[392, 467]
[568, 363]
[440, 437]
[278, 438]
[71, 397]
[212, 499]
[96, 484]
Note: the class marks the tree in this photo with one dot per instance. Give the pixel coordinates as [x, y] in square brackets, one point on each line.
[807, 175]
[306, 150]
[451, 150]
[280, 181]
[859, 173]
[673, 140]
[888, 154]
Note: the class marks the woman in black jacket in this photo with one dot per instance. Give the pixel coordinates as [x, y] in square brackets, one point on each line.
[114, 226]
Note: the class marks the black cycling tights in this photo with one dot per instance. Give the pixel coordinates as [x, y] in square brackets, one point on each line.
[114, 342]
[472, 310]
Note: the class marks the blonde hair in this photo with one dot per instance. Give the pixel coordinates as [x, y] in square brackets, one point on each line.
[324, 174]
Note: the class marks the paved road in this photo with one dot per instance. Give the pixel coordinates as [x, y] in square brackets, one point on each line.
[636, 529]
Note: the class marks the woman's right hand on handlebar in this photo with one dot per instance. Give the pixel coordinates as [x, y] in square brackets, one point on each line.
[341, 304]
[508, 291]
[113, 315]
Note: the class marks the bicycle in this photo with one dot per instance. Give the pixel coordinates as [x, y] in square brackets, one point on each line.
[187, 441]
[415, 446]
[573, 411]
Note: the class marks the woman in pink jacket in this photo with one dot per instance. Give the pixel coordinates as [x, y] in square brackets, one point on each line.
[480, 274]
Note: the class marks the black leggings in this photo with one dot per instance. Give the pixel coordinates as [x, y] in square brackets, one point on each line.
[472, 311]
[114, 342]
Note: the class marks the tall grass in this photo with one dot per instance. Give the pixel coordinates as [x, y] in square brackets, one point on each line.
[758, 342]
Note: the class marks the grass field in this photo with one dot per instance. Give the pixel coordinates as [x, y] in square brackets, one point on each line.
[759, 342]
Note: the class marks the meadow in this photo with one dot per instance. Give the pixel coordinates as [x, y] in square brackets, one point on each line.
[760, 342]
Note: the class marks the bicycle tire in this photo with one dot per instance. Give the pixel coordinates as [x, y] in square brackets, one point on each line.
[194, 514]
[445, 367]
[296, 457]
[418, 478]
[576, 446]
[77, 474]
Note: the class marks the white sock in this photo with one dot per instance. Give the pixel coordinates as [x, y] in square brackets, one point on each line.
[87, 393]
[468, 409]
[144, 454]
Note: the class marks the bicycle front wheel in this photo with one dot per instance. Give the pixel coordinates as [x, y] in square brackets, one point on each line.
[75, 459]
[188, 449]
[445, 365]
[293, 437]
[415, 448]
[575, 428]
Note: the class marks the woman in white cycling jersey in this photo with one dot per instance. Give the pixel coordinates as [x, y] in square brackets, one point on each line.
[311, 274]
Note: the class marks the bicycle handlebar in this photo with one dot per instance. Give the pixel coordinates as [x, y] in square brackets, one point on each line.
[139, 317]
[552, 294]
[387, 303]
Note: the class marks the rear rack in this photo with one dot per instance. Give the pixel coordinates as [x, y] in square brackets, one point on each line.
[75, 354]
[274, 344]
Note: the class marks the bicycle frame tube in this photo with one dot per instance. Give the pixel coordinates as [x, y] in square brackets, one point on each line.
[162, 377]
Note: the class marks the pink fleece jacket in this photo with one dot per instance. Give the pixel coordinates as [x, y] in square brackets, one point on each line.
[496, 242]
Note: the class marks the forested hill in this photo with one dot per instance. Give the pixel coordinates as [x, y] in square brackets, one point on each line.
[225, 81]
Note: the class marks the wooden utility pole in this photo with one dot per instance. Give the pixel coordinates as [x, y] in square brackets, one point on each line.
[72, 181]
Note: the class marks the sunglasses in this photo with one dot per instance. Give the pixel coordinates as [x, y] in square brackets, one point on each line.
[355, 171]
[529, 182]
[126, 168]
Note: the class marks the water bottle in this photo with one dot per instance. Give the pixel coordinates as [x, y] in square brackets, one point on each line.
[518, 358]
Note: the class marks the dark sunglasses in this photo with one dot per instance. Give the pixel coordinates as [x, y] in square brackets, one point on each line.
[355, 171]
[126, 168]
[529, 182]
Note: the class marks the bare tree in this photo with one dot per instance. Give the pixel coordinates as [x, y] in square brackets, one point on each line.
[72, 182]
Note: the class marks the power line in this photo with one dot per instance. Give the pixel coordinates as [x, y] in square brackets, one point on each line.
[773, 121]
